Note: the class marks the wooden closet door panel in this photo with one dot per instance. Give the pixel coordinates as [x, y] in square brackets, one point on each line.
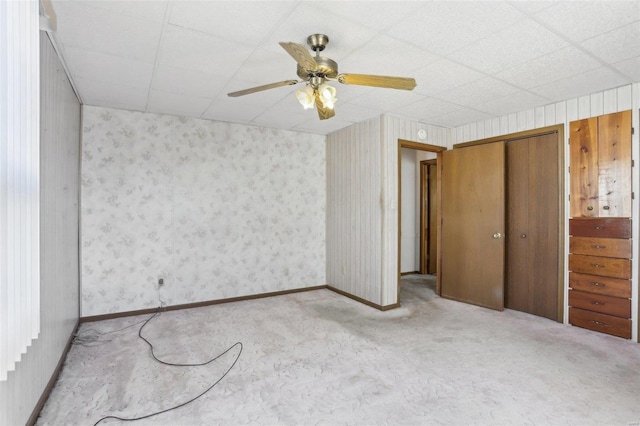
[473, 225]
[518, 235]
[614, 164]
[544, 225]
[583, 152]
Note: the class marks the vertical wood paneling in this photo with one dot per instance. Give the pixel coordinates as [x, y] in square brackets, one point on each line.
[59, 169]
[353, 210]
[606, 102]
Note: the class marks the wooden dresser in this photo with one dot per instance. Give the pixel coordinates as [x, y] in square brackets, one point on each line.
[600, 273]
[600, 225]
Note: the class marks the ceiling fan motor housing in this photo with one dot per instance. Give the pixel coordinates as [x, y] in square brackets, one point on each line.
[326, 68]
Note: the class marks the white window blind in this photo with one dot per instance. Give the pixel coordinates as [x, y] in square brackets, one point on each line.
[19, 180]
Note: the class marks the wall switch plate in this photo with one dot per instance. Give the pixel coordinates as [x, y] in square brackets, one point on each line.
[160, 282]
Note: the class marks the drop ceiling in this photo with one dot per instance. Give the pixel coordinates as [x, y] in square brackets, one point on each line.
[472, 60]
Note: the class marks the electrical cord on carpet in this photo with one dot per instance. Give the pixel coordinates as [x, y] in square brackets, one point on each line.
[238, 344]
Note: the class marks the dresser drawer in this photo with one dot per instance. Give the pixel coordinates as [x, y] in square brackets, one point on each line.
[598, 303]
[606, 247]
[618, 227]
[600, 322]
[603, 266]
[601, 285]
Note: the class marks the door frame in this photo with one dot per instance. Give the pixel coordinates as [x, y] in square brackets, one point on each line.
[562, 237]
[418, 146]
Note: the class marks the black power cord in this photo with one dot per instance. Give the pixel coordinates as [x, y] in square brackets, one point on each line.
[239, 344]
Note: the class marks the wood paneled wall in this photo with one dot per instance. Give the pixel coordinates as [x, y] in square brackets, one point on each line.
[362, 205]
[354, 216]
[599, 103]
[59, 304]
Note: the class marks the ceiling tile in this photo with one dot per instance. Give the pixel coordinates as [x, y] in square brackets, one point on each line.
[172, 103]
[274, 116]
[399, 58]
[267, 66]
[478, 92]
[91, 28]
[196, 51]
[356, 113]
[187, 82]
[108, 68]
[562, 63]
[428, 107]
[531, 6]
[152, 10]
[247, 22]
[376, 15]
[386, 99]
[592, 81]
[444, 75]
[226, 109]
[459, 118]
[100, 93]
[580, 20]
[518, 101]
[617, 45]
[442, 27]
[508, 47]
[630, 68]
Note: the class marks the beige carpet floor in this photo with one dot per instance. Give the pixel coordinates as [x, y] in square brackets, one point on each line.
[318, 358]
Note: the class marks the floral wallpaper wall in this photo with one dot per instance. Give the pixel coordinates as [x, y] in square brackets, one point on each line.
[218, 210]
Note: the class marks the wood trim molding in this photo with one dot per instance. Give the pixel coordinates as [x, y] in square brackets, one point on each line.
[363, 301]
[421, 146]
[54, 378]
[198, 304]
[402, 274]
[558, 128]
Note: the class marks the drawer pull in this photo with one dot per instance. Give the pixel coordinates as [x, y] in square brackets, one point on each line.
[590, 208]
[606, 207]
[593, 302]
[595, 265]
[597, 322]
[599, 228]
[596, 284]
[599, 247]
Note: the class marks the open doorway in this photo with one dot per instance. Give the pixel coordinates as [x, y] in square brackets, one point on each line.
[418, 218]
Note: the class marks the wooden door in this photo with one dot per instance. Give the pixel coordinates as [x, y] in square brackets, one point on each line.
[432, 267]
[473, 225]
[533, 225]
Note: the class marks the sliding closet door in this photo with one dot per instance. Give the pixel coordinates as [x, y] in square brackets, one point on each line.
[533, 225]
[473, 224]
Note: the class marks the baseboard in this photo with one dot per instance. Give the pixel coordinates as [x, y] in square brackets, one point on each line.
[198, 304]
[409, 273]
[52, 381]
[364, 301]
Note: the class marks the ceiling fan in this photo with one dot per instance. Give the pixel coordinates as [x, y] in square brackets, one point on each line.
[316, 71]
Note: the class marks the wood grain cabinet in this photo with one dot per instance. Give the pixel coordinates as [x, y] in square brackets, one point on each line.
[600, 258]
[600, 161]
[600, 273]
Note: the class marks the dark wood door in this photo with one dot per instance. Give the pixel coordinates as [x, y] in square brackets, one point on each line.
[533, 225]
[473, 225]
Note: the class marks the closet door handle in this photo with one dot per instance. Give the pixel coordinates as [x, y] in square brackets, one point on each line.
[599, 228]
[606, 207]
[523, 236]
[593, 302]
[596, 284]
[595, 265]
[599, 247]
[597, 322]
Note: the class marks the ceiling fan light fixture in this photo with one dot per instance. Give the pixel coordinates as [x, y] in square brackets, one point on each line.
[327, 95]
[305, 97]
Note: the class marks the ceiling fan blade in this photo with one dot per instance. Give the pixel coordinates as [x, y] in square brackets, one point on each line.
[402, 83]
[300, 54]
[323, 113]
[261, 88]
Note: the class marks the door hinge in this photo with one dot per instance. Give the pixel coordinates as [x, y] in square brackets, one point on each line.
[633, 163]
[569, 169]
[569, 141]
[633, 195]
[569, 197]
[633, 131]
